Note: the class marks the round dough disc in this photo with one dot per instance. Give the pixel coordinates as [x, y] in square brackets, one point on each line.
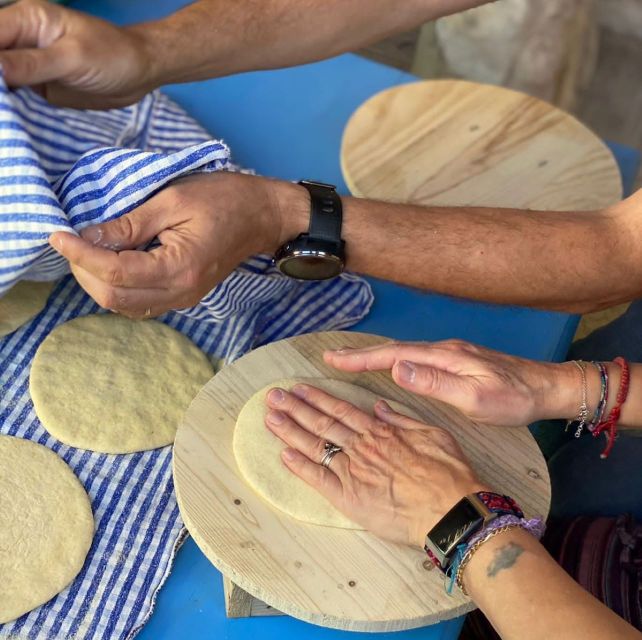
[24, 301]
[258, 454]
[114, 385]
[46, 526]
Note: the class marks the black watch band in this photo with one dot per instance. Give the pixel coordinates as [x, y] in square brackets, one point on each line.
[318, 254]
[326, 213]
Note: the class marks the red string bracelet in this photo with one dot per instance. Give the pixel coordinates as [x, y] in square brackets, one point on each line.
[609, 424]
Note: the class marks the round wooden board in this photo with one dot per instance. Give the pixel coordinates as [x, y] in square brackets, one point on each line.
[452, 142]
[331, 577]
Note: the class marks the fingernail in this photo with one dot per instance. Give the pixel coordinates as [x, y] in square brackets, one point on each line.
[56, 242]
[384, 406]
[275, 417]
[276, 395]
[406, 371]
[92, 234]
[300, 390]
[288, 454]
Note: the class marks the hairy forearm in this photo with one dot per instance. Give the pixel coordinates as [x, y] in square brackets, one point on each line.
[570, 261]
[218, 37]
[527, 596]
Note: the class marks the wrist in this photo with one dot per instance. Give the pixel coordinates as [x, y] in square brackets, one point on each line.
[560, 393]
[290, 206]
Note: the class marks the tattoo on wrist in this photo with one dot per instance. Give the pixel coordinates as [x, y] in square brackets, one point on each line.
[505, 558]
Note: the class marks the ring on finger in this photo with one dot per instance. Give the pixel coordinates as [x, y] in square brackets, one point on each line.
[330, 450]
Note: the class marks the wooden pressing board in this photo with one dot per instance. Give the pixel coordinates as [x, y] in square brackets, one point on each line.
[453, 142]
[332, 577]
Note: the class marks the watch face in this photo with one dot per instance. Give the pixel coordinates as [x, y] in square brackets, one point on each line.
[454, 527]
[311, 267]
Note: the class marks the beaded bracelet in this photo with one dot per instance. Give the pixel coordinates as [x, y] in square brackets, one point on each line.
[609, 424]
[600, 409]
[465, 552]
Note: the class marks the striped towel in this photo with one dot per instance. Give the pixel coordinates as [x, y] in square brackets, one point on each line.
[63, 169]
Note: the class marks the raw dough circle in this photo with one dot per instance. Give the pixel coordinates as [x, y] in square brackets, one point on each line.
[24, 301]
[258, 454]
[114, 385]
[46, 526]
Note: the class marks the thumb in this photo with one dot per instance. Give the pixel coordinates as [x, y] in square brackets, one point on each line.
[129, 231]
[29, 67]
[430, 381]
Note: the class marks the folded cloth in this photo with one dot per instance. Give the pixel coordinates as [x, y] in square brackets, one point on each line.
[62, 169]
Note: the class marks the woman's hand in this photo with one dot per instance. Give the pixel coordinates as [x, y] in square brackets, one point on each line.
[395, 476]
[488, 386]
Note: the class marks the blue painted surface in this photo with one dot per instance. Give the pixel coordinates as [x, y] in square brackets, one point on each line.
[288, 124]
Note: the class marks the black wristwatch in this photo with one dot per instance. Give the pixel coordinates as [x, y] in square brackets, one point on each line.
[463, 520]
[318, 254]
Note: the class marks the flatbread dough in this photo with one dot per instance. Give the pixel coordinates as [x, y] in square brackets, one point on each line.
[114, 385]
[46, 526]
[258, 454]
[23, 302]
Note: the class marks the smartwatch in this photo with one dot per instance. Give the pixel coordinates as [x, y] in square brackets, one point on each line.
[467, 517]
[318, 254]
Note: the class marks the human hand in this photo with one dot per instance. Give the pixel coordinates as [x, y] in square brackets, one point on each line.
[207, 224]
[395, 476]
[488, 386]
[71, 58]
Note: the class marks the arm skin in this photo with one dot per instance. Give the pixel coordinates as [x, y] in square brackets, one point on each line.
[567, 261]
[526, 595]
[220, 37]
[398, 477]
[70, 56]
[491, 387]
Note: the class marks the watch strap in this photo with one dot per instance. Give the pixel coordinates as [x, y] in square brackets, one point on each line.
[326, 212]
[500, 504]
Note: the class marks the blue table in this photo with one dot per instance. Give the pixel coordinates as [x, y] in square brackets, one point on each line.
[288, 124]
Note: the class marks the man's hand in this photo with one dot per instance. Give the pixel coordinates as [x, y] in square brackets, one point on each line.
[71, 58]
[207, 224]
[488, 386]
[395, 476]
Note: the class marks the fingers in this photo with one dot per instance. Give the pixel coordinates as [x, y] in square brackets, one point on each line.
[430, 381]
[28, 67]
[319, 425]
[132, 230]
[339, 410]
[296, 437]
[21, 24]
[323, 480]
[127, 269]
[133, 303]
[384, 356]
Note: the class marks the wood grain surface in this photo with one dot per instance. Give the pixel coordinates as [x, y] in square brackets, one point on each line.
[452, 142]
[332, 577]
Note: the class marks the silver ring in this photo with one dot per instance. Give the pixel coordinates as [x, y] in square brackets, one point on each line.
[331, 450]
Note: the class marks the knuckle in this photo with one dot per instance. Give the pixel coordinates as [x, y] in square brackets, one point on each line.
[115, 276]
[455, 344]
[325, 424]
[344, 410]
[107, 298]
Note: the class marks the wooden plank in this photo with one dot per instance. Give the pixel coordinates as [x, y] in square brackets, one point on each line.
[332, 577]
[452, 142]
[240, 604]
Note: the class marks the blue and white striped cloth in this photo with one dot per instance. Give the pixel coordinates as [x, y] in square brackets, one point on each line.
[63, 169]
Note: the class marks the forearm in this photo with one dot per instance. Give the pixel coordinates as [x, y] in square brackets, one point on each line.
[526, 595]
[219, 37]
[571, 261]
